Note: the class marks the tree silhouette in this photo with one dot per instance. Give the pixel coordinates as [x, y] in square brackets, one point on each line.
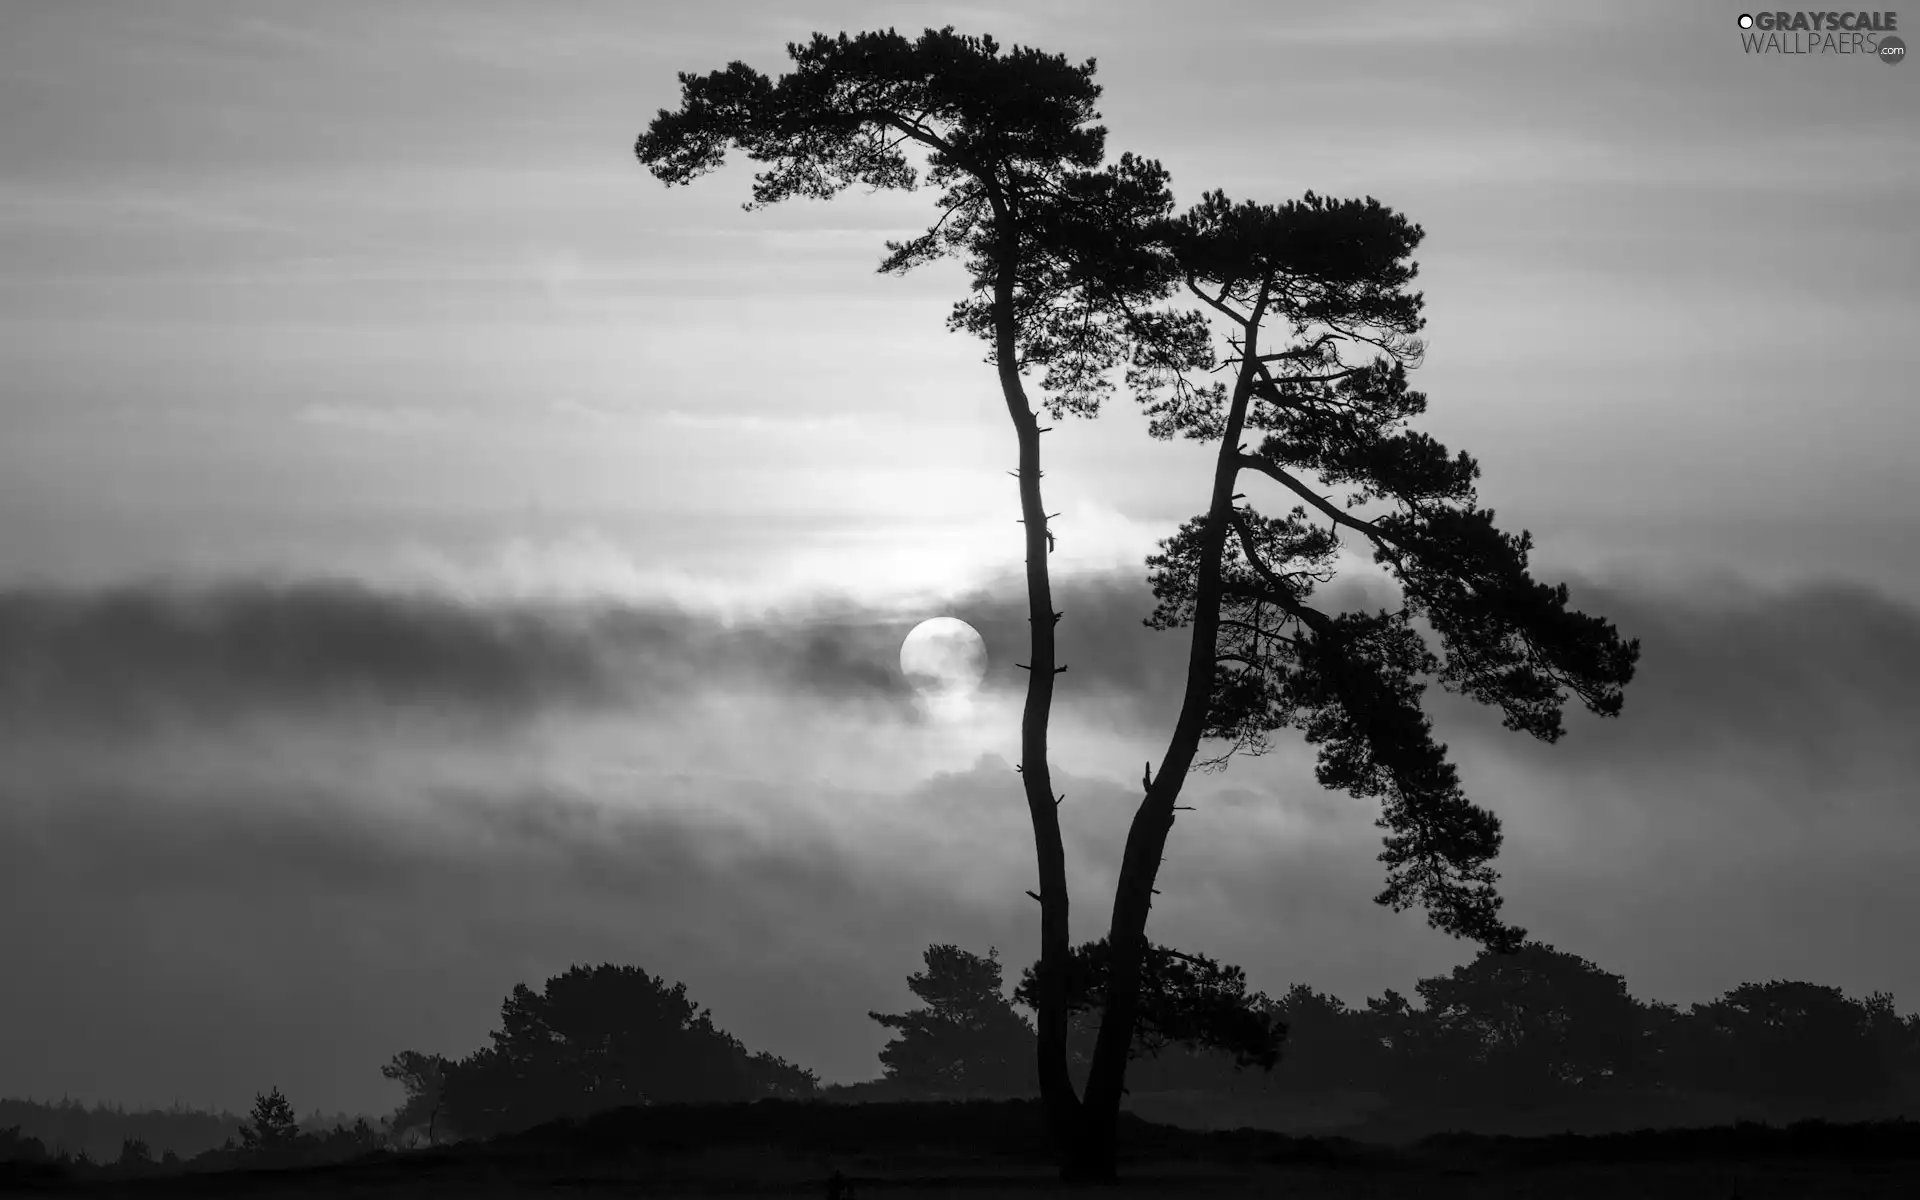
[1795, 1039]
[1896, 1041]
[484, 1095]
[1060, 254]
[1068, 264]
[968, 1040]
[344, 1142]
[275, 1131]
[769, 1075]
[1328, 1044]
[1186, 1000]
[1536, 1021]
[16, 1146]
[1333, 275]
[591, 1039]
[424, 1077]
[108, 1128]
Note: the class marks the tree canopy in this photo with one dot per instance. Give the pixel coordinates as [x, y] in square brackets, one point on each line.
[1062, 250]
[1334, 275]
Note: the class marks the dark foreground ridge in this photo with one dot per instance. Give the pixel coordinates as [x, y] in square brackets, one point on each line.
[993, 1148]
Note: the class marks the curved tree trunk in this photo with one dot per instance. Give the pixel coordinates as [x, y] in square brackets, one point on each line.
[1056, 1087]
[1095, 1149]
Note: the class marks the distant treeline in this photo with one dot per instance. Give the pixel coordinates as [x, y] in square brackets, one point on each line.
[97, 1131]
[69, 1134]
[1539, 1030]
[1536, 1029]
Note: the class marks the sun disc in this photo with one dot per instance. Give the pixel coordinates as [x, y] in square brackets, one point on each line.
[944, 658]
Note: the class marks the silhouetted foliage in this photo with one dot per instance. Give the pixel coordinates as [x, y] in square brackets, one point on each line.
[1329, 1045]
[16, 1146]
[342, 1143]
[594, 1039]
[1533, 1022]
[770, 1076]
[968, 1040]
[274, 1131]
[1792, 1039]
[1186, 999]
[103, 1129]
[424, 1078]
[1059, 247]
[1331, 275]
[1500, 1034]
[269, 1139]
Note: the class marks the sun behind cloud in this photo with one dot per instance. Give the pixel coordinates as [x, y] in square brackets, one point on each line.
[944, 658]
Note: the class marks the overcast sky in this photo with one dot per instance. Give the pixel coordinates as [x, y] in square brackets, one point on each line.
[433, 553]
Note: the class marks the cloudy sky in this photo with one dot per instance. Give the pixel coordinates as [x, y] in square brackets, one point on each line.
[432, 553]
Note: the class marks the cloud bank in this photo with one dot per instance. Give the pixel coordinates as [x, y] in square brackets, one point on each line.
[270, 834]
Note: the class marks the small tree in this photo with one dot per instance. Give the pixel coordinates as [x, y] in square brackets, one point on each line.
[274, 1131]
[592, 1039]
[613, 1035]
[968, 1039]
[134, 1154]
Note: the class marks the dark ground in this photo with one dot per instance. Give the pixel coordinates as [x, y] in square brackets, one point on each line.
[996, 1149]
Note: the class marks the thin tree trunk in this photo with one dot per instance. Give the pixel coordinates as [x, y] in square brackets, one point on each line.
[1056, 1088]
[1095, 1151]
